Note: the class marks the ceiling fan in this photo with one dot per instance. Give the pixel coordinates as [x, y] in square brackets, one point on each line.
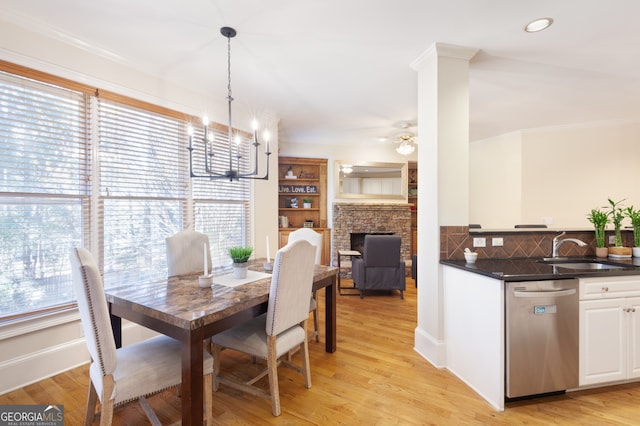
[405, 139]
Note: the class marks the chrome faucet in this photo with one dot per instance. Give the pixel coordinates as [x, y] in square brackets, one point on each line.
[557, 242]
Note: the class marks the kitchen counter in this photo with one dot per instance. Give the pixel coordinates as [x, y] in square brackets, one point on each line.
[529, 269]
[474, 312]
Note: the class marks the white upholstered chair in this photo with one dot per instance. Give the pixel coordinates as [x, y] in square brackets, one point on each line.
[314, 238]
[132, 372]
[185, 253]
[278, 331]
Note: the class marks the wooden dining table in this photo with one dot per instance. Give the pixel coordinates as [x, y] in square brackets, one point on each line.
[178, 307]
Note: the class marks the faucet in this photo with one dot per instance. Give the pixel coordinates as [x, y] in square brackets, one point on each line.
[557, 242]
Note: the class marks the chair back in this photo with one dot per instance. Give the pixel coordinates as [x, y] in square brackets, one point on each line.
[94, 313]
[185, 253]
[381, 250]
[306, 234]
[291, 284]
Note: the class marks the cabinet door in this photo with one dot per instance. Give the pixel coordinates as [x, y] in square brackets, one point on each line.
[603, 341]
[633, 321]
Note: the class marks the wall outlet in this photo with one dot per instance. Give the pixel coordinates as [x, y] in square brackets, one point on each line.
[497, 242]
[612, 239]
[479, 242]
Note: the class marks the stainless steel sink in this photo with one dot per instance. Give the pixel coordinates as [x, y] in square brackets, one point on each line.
[582, 265]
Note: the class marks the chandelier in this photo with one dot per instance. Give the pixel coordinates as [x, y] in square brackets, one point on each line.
[230, 170]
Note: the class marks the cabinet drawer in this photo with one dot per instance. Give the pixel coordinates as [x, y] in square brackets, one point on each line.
[611, 287]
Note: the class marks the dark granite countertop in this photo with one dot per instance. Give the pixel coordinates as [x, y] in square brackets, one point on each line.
[531, 269]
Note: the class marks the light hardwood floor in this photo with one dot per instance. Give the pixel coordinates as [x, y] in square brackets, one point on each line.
[375, 378]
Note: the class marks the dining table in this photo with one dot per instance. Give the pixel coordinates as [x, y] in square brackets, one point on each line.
[180, 308]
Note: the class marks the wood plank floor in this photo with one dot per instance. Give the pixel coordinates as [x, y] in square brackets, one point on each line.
[375, 378]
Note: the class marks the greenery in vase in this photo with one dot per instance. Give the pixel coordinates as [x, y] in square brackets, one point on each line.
[306, 200]
[617, 215]
[599, 220]
[240, 254]
[634, 216]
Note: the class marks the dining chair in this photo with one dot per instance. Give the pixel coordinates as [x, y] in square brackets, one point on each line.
[279, 330]
[185, 253]
[314, 238]
[118, 376]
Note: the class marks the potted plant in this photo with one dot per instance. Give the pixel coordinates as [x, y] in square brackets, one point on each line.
[599, 219]
[634, 216]
[617, 215]
[240, 255]
[306, 202]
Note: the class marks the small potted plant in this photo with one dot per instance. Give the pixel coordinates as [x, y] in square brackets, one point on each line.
[617, 216]
[240, 255]
[599, 219]
[634, 216]
[306, 202]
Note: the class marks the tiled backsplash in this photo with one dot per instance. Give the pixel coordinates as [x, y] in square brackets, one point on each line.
[454, 239]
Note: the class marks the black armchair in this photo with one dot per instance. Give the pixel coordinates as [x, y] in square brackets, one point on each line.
[380, 267]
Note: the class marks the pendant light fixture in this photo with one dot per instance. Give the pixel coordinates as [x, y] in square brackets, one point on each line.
[228, 167]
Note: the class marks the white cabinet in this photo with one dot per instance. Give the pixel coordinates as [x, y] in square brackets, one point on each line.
[609, 329]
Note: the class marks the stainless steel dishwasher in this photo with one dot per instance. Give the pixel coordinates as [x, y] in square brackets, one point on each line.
[541, 337]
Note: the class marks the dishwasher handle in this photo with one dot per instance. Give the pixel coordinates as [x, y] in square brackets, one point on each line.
[552, 293]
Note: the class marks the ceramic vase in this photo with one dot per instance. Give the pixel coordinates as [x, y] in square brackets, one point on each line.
[240, 270]
[602, 251]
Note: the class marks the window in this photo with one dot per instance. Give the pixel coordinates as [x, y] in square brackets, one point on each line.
[122, 185]
[43, 196]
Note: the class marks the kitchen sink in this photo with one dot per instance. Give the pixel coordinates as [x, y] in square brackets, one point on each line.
[582, 264]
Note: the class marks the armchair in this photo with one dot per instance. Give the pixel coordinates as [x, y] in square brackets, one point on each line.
[380, 267]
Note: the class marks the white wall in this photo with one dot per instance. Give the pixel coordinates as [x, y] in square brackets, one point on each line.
[557, 173]
[495, 181]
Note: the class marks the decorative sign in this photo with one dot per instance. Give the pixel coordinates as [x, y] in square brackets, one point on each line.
[298, 189]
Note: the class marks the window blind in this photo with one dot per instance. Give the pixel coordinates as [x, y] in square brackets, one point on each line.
[43, 192]
[143, 190]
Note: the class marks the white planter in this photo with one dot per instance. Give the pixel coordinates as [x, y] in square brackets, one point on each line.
[636, 251]
[306, 205]
[240, 270]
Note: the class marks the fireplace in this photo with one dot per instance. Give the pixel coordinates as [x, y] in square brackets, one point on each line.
[370, 218]
[357, 239]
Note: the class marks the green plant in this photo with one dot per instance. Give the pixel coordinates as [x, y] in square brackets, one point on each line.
[599, 219]
[307, 200]
[634, 216]
[240, 254]
[617, 215]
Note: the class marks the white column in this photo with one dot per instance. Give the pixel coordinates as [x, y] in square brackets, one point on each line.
[443, 177]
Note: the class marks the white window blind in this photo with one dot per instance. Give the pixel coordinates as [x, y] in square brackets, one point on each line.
[143, 190]
[43, 195]
[136, 161]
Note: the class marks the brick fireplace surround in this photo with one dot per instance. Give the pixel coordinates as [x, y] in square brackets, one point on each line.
[369, 218]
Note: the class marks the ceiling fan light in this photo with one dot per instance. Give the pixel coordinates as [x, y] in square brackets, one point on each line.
[405, 148]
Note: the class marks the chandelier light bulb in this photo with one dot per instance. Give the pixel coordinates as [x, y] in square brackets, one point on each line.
[205, 121]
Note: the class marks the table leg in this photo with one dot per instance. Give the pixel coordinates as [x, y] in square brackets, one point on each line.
[116, 327]
[192, 379]
[330, 315]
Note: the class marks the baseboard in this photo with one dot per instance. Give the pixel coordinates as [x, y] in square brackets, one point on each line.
[32, 367]
[429, 348]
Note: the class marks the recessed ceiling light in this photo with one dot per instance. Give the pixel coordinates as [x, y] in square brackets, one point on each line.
[538, 25]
